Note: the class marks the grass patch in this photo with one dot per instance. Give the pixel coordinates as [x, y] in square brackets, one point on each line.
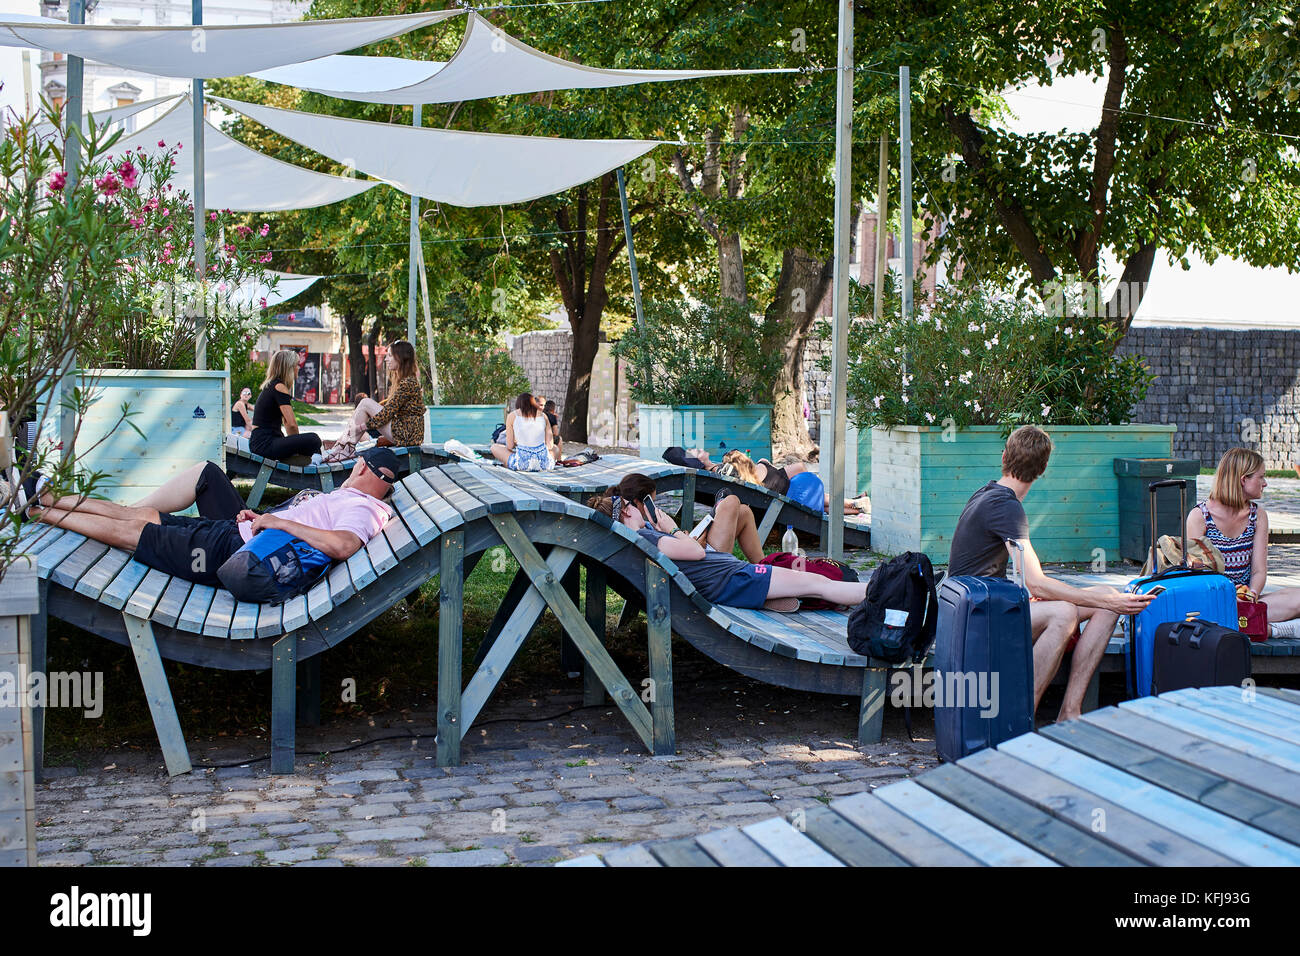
[577, 763]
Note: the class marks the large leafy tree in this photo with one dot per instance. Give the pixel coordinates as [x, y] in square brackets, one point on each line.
[1183, 157]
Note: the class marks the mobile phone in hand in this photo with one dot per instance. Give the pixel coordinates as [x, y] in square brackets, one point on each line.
[651, 510]
[702, 527]
[1157, 590]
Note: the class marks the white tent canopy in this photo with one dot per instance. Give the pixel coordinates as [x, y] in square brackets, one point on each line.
[208, 51]
[236, 176]
[290, 284]
[487, 63]
[451, 166]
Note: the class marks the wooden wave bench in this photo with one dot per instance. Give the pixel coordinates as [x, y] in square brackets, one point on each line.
[1189, 778]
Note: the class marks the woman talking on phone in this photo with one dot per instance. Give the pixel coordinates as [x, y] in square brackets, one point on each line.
[709, 565]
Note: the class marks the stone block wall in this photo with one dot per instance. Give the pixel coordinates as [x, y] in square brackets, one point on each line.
[1223, 388]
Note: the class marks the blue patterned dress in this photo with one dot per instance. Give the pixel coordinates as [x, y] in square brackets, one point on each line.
[1236, 551]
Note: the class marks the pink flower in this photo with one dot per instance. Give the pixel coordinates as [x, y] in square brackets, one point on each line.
[58, 181]
[212, 216]
[108, 185]
[264, 230]
[262, 302]
[165, 211]
[161, 143]
[128, 174]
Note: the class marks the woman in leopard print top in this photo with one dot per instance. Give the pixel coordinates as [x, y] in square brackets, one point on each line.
[399, 418]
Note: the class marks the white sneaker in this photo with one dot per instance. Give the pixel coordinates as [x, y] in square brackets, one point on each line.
[1285, 629]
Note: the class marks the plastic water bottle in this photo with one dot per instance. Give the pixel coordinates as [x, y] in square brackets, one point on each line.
[790, 541]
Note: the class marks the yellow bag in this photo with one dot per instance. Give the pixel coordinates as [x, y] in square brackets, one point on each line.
[1200, 554]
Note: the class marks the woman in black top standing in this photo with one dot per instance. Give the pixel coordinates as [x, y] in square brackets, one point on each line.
[274, 408]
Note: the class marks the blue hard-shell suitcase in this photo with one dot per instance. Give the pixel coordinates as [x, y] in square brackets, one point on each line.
[984, 642]
[1188, 592]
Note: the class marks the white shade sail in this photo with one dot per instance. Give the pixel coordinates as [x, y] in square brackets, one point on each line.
[208, 51]
[451, 166]
[236, 176]
[251, 294]
[487, 63]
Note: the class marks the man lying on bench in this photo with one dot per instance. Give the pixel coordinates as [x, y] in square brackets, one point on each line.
[337, 524]
[709, 565]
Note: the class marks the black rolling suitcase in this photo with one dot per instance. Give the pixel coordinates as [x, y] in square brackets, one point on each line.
[1196, 653]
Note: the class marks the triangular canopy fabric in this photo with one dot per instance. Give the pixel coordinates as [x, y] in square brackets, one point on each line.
[253, 293]
[487, 63]
[236, 176]
[208, 51]
[451, 166]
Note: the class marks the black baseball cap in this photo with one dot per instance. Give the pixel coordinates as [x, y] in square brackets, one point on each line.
[377, 458]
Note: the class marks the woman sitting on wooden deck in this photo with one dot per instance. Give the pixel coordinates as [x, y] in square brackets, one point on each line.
[528, 437]
[399, 418]
[274, 409]
[719, 576]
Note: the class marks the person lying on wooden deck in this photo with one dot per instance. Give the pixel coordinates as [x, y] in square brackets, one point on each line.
[194, 548]
[718, 575]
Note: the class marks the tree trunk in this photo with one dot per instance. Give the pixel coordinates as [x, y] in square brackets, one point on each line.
[372, 340]
[352, 328]
[581, 280]
[800, 289]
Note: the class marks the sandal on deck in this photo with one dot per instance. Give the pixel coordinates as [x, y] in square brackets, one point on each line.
[785, 605]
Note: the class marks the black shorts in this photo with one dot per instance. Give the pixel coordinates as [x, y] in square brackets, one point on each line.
[189, 548]
[215, 496]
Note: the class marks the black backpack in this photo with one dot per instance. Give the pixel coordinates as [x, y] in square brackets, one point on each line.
[897, 620]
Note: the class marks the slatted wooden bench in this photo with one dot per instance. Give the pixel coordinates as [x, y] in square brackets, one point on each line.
[1191, 778]
[243, 463]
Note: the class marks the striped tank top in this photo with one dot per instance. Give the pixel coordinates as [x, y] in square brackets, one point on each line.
[1236, 551]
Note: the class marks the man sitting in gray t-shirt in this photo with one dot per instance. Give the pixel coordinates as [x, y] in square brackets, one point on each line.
[994, 515]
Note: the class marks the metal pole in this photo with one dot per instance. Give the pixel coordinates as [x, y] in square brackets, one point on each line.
[905, 168]
[200, 217]
[411, 278]
[631, 262]
[27, 82]
[840, 315]
[72, 167]
[882, 228]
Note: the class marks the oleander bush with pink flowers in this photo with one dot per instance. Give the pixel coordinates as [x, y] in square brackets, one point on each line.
[977, 356]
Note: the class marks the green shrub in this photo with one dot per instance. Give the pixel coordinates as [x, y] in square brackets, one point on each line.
[703, 353]
[476, 369]
[981, 358]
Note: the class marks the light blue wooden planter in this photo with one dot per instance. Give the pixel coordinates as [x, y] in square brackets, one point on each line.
[921, 482]
[717, 429]
[183, 415]
[857, 467]
[471, 424]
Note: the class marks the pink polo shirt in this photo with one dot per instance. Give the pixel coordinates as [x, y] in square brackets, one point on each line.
[344, 509]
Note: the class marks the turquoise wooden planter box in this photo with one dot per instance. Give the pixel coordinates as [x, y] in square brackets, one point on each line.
[920, 484]
[183, 415]
[857, 469]
[471, 424]
[717, 429]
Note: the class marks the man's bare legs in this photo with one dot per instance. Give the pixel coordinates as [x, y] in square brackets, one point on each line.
[1054, 622]
[1087, 655]
[732, 522]
[117, 532]
[176, 494]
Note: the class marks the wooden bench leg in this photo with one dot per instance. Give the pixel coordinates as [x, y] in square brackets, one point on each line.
[309, 698]
[631, 608]
[570, 660]
[518, 588]
[284, 692]
[769, 520]
[660, 633]
[451, 584]
[326, 481]
[871, 713]
[38, 664]
[593, 691]
[259, 485]
[1092, 696]
[688, 501]
[161, 707]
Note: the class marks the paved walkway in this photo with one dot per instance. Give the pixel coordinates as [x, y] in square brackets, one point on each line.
[527, 794]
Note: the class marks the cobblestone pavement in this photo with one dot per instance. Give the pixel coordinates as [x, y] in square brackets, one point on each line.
[528, 793]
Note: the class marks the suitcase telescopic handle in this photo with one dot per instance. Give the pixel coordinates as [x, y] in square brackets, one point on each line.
[1154, 489]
